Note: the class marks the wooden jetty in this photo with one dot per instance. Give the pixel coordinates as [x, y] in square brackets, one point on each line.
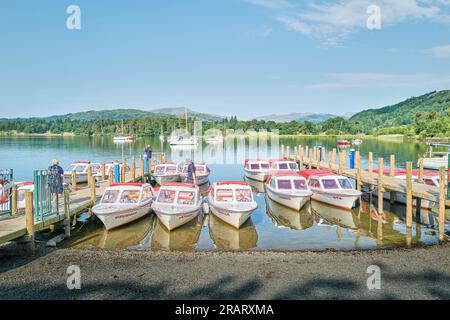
[312, 157]
[71, 204]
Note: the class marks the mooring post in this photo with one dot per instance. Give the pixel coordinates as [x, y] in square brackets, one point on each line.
[352, 158]
[358, 166]
[409, 200]
[66, 213]
[111, 176]
[420, 177]
[141, 169]
[124, 170]
[380, 186]
[149, 166]
[89, 176]
[288, 152]
[341, 162]
[442, 199]
[370, 163]
[282, 151]
[103, 171]
[133, 169]
[74, 180]
[14, 200]
[344, 155]
[29, 221]
[306, 151]
[334, 155]
[116, 172]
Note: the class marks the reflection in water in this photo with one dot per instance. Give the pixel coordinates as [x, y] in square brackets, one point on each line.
[184, 238]
[257, 186]
[285, 217]
[335, 216]
[227, 237]
[121, 238]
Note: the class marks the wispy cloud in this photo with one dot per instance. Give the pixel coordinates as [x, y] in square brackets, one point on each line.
[380, 80]
[440, 52]
[333, 21]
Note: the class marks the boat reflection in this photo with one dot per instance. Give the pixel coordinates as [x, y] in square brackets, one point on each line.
[335, 216]
[226, 237]
[257, 186]
[184, 238]
[285, 217]
[120, 238]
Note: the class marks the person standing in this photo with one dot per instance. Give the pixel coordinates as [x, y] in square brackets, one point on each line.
[56, 178]
[191, 172]
[148, 151]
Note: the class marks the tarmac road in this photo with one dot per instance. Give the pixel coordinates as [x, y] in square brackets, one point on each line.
[422, 273]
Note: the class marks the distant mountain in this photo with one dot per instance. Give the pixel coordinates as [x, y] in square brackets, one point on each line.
[124, 114]
[299, 117]
[402, 113]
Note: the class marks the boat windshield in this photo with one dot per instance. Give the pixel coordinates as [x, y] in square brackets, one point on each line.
[293, 166]
[431, 182]
[254, 166]
[21, 195]
[329, 184]
[166, 196]
[130, 196]
[243, 195]
[147, 193]
[299, 184]
[224, 195]
[265, 165]
[283, 166]
[345, 184]
[160, 169]
[284, 184]
[110, 196]
[78, 168]
[200, 169]
[171, 169]
[186, 197]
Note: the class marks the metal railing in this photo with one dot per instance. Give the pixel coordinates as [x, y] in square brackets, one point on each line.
[45, 196]
[6, 185]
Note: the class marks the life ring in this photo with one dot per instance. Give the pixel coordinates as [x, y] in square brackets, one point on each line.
[4, 197]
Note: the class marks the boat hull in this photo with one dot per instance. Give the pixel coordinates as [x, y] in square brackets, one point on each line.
[173, 220]
[258, 176]
[435, 163]
[113, 219]
[166, 178]
[337, 200]
[235, 218]
[80, 178]
[295, 202]
[200, 179]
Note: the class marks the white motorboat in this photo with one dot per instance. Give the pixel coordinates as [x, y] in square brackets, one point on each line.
[22, 189]
[256, 169]
[280, 165]
[123, 203]
[232, 202]
[434, 160]
[166, 172]
[202, 172]
[435, 163]
[289, 189]
[81, 171]
[110, 166]
[177, 203]
[331, 188]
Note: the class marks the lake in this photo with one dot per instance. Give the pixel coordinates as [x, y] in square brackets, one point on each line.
[272, 226]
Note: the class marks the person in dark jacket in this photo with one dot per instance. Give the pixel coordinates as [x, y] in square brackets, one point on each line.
[148, 151]
[191, 173]
[56, 178]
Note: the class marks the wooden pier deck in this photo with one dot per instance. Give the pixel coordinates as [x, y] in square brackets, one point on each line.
[15, 227]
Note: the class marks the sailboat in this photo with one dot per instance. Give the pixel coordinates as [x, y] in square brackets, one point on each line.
[161, 136]
[123, 138]
[183, 141]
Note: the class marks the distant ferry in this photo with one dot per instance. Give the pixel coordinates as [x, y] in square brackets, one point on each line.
[124, 138]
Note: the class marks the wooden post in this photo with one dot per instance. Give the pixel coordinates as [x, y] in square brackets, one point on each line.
[149, 166]
[300, 152]
[103, 171]
[420, 177]
[282, 151]
[288, 152]
[89, 176]
[442, 203]
[29, 219]
[141, 169]
[370, 162]
[380, 186]
[123, 176]
[409, 199]
[133, 170]
[430, 154]
[66, 213]
[341, 165]
[315, 153]
[295, 153]
[91, 183]
[344, 156]
[334, 155]
[14, 200]
[111, 176]
[358, 166]
[392, 160]
[306, 151]
[74, 180]
[330, 155]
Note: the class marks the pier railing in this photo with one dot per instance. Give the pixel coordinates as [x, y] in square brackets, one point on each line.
[45, 196]
[6, 191]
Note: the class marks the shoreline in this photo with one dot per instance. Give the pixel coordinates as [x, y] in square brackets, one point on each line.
[405, 274]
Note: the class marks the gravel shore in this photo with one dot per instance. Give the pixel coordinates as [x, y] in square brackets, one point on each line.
[421, 273]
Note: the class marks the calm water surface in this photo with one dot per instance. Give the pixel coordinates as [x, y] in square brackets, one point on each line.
[272, 226]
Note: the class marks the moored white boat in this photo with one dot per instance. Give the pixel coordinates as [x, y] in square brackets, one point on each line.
[177, 203]
[256, 169]
[123, 203]
[280, 165]
[331, 188]
[435, 163]
[202, 172]
[81, 171]
[166, 172]
[232, 201]
[289, 189]
[22, 189]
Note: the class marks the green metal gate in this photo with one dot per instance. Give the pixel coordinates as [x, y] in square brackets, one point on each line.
[45, 201]
[6, 184]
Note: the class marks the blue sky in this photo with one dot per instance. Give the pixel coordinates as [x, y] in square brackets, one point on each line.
[230, 57]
